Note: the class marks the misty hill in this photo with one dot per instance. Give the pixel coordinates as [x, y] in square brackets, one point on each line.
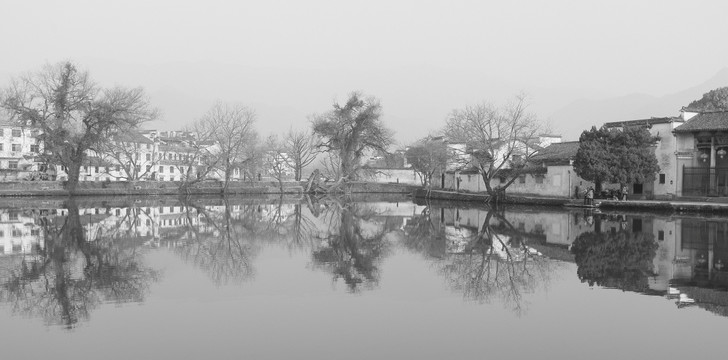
[581, 114]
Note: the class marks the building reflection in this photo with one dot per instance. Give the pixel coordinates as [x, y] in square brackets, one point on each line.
[682, 258]
[61, 265]
[88, 250]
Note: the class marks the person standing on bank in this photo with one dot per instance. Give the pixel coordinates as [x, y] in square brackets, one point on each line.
[589, 198]
[624, 193]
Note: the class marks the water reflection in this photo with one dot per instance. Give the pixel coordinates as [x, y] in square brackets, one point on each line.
[59, 263]
[480, 254]
[69, 263]
[354, 242]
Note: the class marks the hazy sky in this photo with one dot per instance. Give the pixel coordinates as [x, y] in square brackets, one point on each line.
[289, 59]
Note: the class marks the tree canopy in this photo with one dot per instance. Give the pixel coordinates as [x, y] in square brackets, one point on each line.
[716, 99]
[427, 157]
[73, 114]
[616, 156]
[351, 130]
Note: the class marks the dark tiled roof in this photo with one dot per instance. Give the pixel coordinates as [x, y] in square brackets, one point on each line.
[706, 121]
[562, 151]
[650, 121]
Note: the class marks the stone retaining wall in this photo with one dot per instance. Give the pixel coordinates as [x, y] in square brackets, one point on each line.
[54, 188]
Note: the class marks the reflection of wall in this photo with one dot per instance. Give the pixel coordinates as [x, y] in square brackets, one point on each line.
[19, 233]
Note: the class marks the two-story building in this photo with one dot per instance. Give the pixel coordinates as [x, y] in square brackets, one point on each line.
[19, 149]
[702, 146]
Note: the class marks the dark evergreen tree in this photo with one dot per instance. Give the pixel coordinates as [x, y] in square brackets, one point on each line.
[616, 156]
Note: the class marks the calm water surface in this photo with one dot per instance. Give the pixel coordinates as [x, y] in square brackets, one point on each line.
[331, 279]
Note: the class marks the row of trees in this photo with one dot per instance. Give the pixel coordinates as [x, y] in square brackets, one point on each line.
[76, 116]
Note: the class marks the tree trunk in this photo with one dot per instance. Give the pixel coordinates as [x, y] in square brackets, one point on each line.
[74, 173]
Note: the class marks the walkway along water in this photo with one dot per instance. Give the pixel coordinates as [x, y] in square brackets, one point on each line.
[686, 205]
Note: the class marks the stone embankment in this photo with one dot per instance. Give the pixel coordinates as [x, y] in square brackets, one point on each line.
[147, 188]
[679, 205]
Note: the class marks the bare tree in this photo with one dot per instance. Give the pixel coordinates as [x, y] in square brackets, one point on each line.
[230, 128]
[276, 160]
[135, 155]
[427, 157]
[302, 148]
[73, 113]
[500, 140]
[352, 129]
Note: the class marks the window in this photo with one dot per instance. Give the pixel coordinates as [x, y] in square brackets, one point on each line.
[539, 179]
[12, 164]
[34, 148]
[149, 147]
[17, 233]
[660, 235]
[1, 132]
[16, 147]
[149, 167]
[96, 169]
[161, 177]
[118, 212]
[118, 168]
[1, 146]
[16, 133]
[502, 179]
[171, 169]
[136, 156]
[662, 178]
[161, 170]
[181, 170]
[149, 157]
[636, 225]
[521, 179]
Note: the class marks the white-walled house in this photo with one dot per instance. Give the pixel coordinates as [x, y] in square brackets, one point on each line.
[550, 174]
[18, 151]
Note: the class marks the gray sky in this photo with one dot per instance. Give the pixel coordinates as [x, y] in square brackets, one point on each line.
[289, 59]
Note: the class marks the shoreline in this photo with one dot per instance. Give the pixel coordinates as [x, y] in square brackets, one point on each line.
[40, 189]
[677, 205]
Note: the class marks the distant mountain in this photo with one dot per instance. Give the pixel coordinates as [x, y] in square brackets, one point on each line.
[582, 114]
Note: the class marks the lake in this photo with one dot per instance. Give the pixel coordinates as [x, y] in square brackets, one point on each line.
[268, 278]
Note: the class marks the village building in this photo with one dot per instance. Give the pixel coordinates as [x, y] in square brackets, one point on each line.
[702, 146]
[461, 175]
[19, 150]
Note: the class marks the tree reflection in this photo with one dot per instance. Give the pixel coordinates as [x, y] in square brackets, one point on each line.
[493, 261]
[616, 259]
[425, 236]
[354, 243]
[71, 274]
[220, 240]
